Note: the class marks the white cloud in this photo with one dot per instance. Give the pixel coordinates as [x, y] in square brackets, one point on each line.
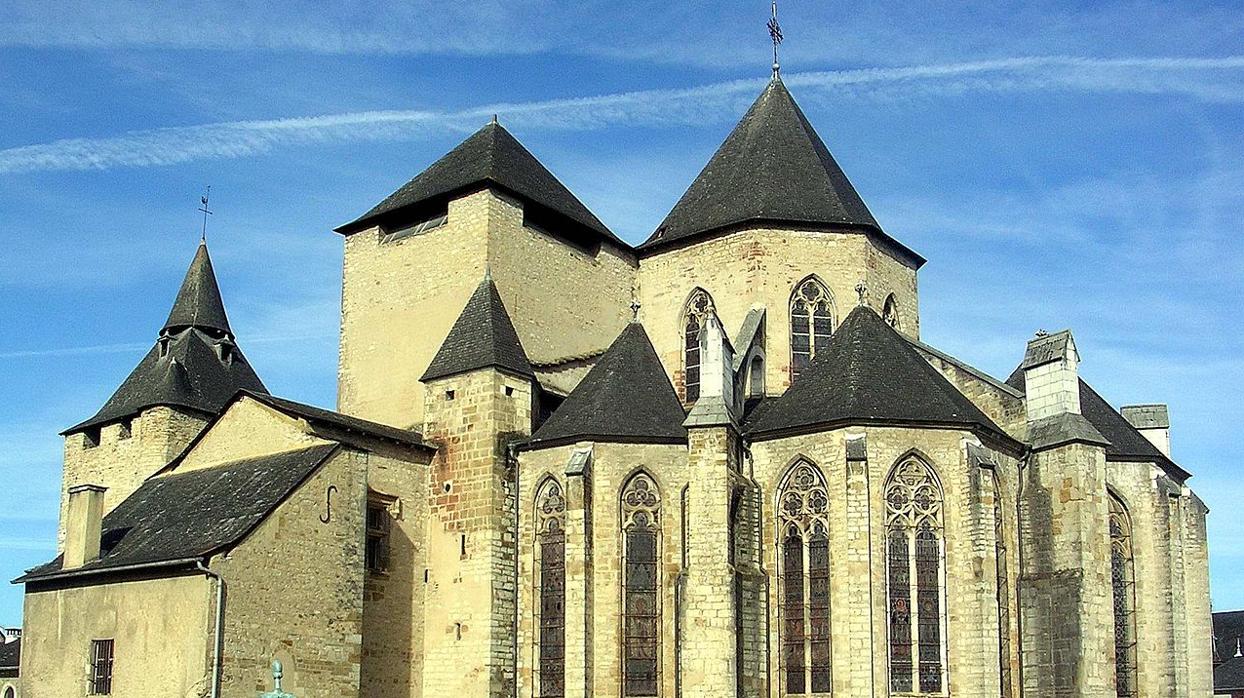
[1215, 80]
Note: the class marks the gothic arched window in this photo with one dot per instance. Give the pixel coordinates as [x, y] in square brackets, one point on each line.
[803, 521]
[641, 586]
[914, 574]
[889, 311]
[811, 322]
[1122, 576]
[1004, 591]
[699, 308]
[551, 549]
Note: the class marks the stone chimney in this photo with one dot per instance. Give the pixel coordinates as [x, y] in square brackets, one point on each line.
[1051, 375]
[1154, 422]
[83, 525]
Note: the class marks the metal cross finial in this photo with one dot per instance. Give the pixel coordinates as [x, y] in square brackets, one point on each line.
[775, 33]
[862, 289]
[634, 310]
[206, 211]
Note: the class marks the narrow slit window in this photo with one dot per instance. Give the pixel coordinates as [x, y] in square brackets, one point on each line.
[1123, 583]
[551, 547]
[641, 587]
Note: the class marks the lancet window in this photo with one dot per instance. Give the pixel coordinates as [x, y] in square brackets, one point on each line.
[1004, 592]
[1123, 581]
[811, 322]
[695, 315]
[915, 579]
[803, 519]
[641, 586]
[551, 549]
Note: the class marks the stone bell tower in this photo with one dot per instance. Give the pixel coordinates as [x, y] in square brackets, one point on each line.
[192, 370]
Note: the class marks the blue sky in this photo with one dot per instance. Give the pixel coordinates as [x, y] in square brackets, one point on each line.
[1060, 165]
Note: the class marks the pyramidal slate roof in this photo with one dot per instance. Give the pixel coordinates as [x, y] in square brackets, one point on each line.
[198, 302]
[180, 517]
[625, 397]
[195, 363]
[490, 156]
[483, 336]
[868, 373]
[1126, 442]
[772, 167]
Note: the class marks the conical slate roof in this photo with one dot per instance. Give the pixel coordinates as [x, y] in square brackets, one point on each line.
[198, 302]
[483, 336]
[868, 374]
[490, 156]
[772, 167]
[195, 363]
[625, 397]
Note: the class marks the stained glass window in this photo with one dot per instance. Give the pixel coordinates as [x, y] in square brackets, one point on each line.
[811, 323]
[699, 308]
[1004, 592]
[1123, 582]
[803, 502]
[641, 623]
[914, 554]
[551, 544]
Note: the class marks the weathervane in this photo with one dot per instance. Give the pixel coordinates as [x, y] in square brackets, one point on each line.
[775, 33]
[206, 211]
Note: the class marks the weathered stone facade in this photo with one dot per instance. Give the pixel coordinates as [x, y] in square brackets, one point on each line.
[924, 530]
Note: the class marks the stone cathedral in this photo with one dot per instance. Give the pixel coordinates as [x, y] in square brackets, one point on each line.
[718, 463]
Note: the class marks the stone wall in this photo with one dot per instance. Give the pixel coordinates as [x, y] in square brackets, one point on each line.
[162, 630]
[760, 268]
[399, 299]
[294, 589]
[470, 593]
[121, 463]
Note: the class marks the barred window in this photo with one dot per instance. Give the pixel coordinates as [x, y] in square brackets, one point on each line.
[641, 585]
[101, 667]
[551, 548]
[803, 501]
[811, 322]
[1004, 592]
[914, 554]
[1124, 584]
[699, 308]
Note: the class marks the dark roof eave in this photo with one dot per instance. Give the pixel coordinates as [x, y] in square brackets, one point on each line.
[99, 422]
[78, 573]
[1011, 444]
[1170, 467]
[496, 366]
[555, 442]
[652, 247]
[371, 220]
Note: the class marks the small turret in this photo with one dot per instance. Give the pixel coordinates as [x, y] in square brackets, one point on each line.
[190, 373]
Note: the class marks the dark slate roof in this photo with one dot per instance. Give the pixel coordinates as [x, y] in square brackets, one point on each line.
[1229, 676]
[483, 336]
[625, 397]
[772, 167]
[189, 515]
[868, 373]
[1228, 629]
[189, 372]
[1126, 443]
[10, 656]
[320, 416]
[198, 302]
[491, 156]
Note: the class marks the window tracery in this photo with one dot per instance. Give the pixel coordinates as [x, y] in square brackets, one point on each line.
[699, 308]
[641, 584]
[916, 614]
[551, 544]
[811, 322]
[803, 503]
[1123, 583]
